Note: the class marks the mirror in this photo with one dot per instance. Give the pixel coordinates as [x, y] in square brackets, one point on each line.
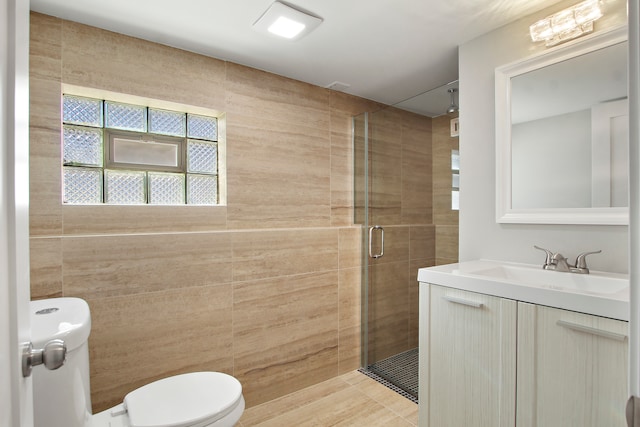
[562, 134]
[433, 102]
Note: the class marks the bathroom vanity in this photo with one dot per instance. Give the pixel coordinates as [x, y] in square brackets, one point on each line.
[505, 344]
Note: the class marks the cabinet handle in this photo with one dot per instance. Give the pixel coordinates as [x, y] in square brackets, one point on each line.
[590, 330]
[463, 301]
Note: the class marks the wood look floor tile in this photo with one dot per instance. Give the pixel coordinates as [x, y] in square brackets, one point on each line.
[350, 400]
[345, 408]
[390, 399]
[279, 406]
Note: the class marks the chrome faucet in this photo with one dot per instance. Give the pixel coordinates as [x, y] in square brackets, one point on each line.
[557, 262]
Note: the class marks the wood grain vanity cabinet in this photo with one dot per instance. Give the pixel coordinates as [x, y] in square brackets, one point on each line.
[487, 361]
[471, 365]
[572, 368]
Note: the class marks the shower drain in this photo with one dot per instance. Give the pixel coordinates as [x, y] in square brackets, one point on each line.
[399, 373]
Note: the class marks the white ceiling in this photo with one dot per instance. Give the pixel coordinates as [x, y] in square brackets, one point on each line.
[386, 50]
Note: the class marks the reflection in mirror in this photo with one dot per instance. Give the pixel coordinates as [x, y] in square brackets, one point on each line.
[432, 103]
[562, 134]
[441, 105]
[569, 134]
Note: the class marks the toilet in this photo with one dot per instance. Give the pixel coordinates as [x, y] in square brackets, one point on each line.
[62, 397]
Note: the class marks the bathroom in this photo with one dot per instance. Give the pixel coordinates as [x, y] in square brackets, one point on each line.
[287, 233]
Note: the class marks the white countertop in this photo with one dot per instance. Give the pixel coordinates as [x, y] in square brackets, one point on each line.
[597, 293]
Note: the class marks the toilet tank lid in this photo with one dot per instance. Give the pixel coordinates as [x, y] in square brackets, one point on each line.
[68, 319]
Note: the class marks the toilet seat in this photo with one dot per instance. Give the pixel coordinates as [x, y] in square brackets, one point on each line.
[187, 400]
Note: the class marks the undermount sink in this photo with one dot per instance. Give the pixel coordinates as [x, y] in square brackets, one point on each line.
[597, 293]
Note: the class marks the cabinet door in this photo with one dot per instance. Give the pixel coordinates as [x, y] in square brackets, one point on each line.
[472, 361]
[572, 369]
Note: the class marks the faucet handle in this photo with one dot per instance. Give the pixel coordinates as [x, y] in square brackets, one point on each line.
[581, 260]
[547, 260]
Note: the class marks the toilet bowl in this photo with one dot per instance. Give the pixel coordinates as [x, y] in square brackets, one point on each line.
[62, 397]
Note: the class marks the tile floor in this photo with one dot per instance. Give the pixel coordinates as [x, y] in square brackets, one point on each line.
[350, 400]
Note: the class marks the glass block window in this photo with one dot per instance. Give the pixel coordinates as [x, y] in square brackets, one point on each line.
[202, 157]
[202, 127]
[125, 187]
[455, 180]
[455, 200]
[82, 186]
[125, 154]
[201, 189]
[82, 146]
[167, 122]
[125, 116]
[82, 111]
[166, 188]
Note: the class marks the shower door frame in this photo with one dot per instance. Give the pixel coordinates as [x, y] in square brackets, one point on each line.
[364, 260]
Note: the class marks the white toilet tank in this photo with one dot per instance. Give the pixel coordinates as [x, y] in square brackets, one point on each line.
[62, 397]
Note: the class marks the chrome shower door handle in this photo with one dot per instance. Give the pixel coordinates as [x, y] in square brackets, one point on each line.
[371, 254]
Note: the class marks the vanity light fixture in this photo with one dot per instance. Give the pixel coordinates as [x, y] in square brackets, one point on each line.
[285, 21]
[567, 24]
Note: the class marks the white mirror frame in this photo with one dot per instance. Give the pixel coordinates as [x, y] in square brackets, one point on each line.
[503, 75]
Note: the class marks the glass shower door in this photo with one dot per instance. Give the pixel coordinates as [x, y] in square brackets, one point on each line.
[387, 329]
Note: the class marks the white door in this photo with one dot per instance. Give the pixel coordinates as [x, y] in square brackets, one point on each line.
[610, 154]
[16, 400]
[634, 195]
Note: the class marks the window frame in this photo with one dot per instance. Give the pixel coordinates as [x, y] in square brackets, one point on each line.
[109, 147]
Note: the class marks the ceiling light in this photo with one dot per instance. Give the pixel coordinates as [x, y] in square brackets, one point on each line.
[285, 27]
[567, 24]
[285, 21]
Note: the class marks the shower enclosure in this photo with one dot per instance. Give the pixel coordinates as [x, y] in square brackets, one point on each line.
[395, 181]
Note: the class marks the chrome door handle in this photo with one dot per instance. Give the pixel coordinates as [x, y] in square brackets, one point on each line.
[52, 356]
[371, 254]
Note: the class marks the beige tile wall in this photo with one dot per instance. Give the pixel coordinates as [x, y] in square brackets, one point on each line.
[266, 288]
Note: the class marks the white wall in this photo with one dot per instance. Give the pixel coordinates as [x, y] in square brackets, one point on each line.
[546, 149]
[480, 235]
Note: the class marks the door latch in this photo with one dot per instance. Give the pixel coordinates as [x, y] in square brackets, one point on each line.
[52, 356]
